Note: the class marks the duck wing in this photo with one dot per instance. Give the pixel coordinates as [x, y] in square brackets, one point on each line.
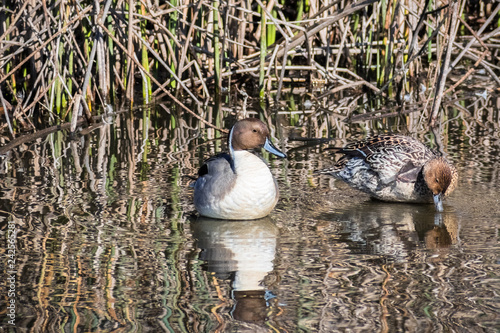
[215, 179]
[220, 163]
[391, 157]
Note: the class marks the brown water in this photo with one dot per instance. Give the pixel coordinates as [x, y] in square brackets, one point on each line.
[108, 239]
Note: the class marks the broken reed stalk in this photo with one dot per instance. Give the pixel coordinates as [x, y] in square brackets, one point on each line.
[482, 55]
[183, 46]
[454, 10]
[146, 82]
[263, 53]
[217, 67]
[129, 73]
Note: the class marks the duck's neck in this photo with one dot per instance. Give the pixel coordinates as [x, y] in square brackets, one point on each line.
[245, 160]
[230, 143]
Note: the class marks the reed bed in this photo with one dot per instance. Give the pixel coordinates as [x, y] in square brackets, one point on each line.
[61, 60]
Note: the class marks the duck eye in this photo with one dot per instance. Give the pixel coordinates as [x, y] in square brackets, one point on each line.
[437, 180]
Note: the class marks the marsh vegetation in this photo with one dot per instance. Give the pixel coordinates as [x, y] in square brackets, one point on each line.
[64, 60]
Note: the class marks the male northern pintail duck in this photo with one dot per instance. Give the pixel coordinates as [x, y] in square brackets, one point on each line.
[238, 185]
[396, 168]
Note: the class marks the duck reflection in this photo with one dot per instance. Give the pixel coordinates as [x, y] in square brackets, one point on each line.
[242, 251]
[395, 229]
[440, 234]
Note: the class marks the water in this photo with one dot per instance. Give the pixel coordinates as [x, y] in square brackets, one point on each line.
[108, 240]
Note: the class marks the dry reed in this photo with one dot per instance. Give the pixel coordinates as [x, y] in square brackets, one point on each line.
[199, 51]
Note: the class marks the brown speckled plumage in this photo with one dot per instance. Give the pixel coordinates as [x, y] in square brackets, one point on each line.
[395, 168]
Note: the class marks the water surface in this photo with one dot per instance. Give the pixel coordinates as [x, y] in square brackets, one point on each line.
[108, 239]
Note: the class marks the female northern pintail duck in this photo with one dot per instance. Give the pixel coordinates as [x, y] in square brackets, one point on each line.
[396, 168]
[238, 185]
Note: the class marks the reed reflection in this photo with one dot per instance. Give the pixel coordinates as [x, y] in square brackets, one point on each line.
[243, 252]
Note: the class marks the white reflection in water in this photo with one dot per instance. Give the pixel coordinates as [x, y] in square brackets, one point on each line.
[242, 251]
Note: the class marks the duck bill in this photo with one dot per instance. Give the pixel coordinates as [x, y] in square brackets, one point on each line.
[438, 202]
[268, 145]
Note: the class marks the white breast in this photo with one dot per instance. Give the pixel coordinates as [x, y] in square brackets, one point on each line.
[254, 194]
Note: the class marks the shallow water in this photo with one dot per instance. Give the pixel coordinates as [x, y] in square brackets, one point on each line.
[108, 240]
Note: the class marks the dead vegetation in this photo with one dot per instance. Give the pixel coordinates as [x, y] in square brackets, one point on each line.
[61, 59]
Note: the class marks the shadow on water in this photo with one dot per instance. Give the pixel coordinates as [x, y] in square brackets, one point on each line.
[102, 237]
